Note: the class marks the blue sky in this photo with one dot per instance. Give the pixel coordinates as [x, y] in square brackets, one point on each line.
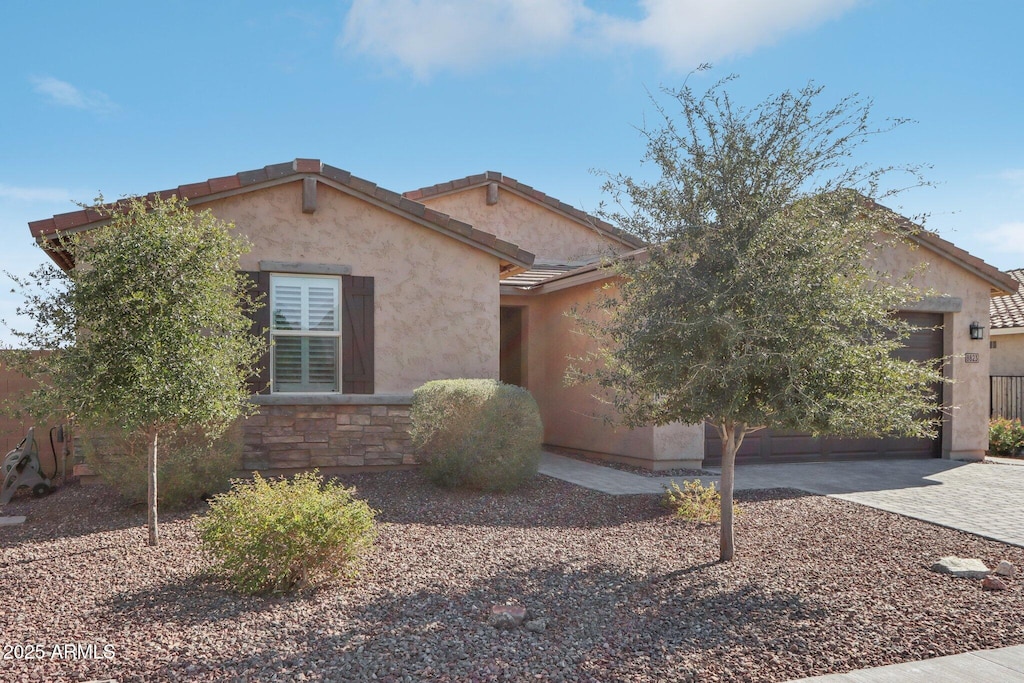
[124, 98]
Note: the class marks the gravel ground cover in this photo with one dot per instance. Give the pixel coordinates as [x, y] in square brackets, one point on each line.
[626, 591]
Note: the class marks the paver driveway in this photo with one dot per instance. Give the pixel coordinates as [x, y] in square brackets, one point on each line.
[981, 498]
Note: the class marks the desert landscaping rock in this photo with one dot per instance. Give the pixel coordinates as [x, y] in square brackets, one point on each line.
[818, 586]
[12, 520]
[962, 567]
[536, 625]
[506, 616]
[993, 583]
[1006, 569]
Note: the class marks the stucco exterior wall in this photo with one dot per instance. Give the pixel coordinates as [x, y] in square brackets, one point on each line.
[573, 417]
[1008, 356]
[549, 235]
[965, 431]
[435, 299]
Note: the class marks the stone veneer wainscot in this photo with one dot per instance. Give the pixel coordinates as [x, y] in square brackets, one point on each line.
[293, 432]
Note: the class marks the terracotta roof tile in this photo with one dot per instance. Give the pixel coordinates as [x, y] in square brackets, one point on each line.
[1008, 311]
[194, 190]
[441, 219]
[337, 174]
[66, 221]
[224, 184]
[360, 185]
[415, 208]
[505, 247]
[382, 194]
[482, 237]
[999, 281]
[527, 191]
[47, 226]
[307, 165]
[83, 219]
[462, 228]
[275, 171]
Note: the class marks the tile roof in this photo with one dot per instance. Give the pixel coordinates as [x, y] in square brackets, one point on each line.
[482, 179]
[256, 179]
[1008, 311]
[1000, 282]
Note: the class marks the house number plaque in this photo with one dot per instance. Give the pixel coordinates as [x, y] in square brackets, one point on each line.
[970, 358]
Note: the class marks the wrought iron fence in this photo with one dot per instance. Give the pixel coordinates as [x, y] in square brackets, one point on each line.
[1006, 396]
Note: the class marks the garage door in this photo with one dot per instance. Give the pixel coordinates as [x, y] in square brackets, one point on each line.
[781, 446]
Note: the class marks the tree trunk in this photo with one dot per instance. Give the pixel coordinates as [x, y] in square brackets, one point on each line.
[154, 535]
[732, 436]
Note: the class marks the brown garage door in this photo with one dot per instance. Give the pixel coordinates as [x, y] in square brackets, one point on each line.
[781, 446]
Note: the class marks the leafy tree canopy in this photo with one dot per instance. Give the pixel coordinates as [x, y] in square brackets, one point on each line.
[150, 329]
[148, 332]
[758, 303]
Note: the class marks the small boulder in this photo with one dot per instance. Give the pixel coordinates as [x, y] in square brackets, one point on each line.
[993, 583]
[506, 616]
[962, 567]
[1005, 568]
[537, 625]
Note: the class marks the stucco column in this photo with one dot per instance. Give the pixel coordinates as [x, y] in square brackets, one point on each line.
[965, 430]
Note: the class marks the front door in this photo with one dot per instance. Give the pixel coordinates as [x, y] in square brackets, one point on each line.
[511, 351]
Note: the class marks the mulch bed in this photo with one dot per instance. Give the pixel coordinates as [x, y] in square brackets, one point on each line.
[628, 593]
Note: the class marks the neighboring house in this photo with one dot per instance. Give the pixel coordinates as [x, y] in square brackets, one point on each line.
[1007, 314]
[372, 293]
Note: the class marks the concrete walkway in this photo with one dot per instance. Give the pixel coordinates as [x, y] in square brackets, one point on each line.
[986, 499]
[1005, 665]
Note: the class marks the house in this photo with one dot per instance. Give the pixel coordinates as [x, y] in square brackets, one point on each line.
[372, 293]
[1007, 389]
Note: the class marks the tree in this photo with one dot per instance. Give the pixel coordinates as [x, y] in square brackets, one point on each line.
[757, 305]
[149, 332]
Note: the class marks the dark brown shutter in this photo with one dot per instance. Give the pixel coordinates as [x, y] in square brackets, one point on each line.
[356, 335]
[259, 288]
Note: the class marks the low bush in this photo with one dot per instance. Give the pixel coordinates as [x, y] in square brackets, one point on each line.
[1005, 437]
[190, 466]
[694, 501]
[476, 433]
[285, 535]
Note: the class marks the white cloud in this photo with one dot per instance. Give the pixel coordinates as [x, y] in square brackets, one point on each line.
[34, 194]
[64, 94]
[425, 36]
[1003, 244]
[687, 32]
[428, 35]
[1011, 235]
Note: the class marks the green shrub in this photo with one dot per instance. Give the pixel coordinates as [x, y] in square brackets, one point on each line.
[694, 501]
[476, 433]
[1005, 437]
[190, 466]
[279, 536]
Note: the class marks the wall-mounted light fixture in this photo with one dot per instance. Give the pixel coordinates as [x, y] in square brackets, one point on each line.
[977, 331]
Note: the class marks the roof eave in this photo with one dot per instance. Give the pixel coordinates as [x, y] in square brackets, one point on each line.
[214, 189]
[530, 194]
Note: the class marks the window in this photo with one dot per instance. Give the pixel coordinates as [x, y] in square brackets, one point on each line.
[305, 333]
